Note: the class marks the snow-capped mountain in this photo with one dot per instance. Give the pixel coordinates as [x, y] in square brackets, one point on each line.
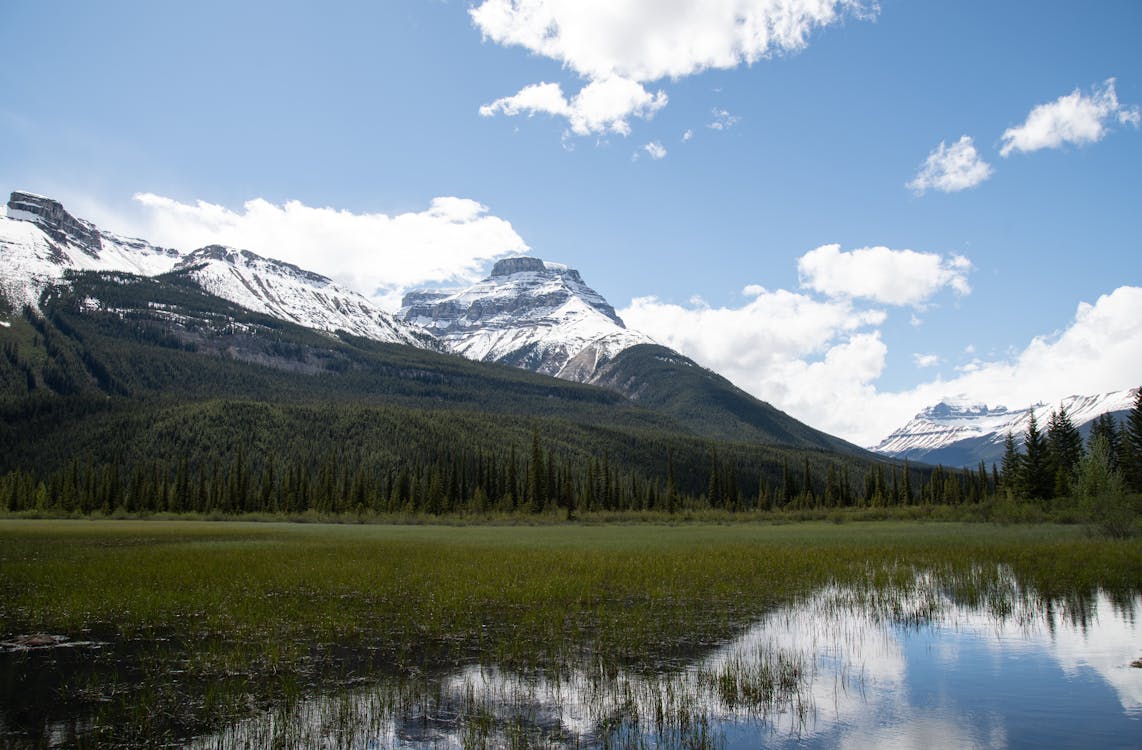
[284, 291]
[40, 240]
[528, 313]
[957, 432]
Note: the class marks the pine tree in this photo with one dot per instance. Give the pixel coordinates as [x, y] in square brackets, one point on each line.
[1064, 450]
[1035, 475]
[1132, 446]
[1011, 467]
[1105, 427]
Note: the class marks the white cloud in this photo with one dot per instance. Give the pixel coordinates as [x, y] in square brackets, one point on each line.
[639, 41]
[687, 135]
[655, 149]
[379, 255]
[820, 359]
[951, 168]
[893, 277]
[723, 120]
[601, 106]
[782, 346]
[1075, 118]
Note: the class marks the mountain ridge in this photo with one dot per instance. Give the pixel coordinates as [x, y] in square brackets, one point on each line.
[40, 240]
[528, 313]
[960, 432]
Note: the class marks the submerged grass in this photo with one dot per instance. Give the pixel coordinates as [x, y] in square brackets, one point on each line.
[249, 615]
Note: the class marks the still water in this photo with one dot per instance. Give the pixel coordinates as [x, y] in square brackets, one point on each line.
[907, 666]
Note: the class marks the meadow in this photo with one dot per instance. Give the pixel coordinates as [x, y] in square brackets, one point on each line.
[197, 624]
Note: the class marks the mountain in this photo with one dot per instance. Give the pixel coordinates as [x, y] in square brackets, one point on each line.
[542, 316]
[962, 433]
[284, 291]
[40, 241]
[123, 375]
[529, 313]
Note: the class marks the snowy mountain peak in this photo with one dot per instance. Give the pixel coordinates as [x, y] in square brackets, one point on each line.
[40, 240]
[244, 258]
[51, 216]
[529, 313]
[285, 291]
[959, 432]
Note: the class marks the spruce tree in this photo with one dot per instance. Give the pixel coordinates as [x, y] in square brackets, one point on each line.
[1011, 467]
[1105, 427]
[1035, 476]
[1064, 450]
[1132, 445]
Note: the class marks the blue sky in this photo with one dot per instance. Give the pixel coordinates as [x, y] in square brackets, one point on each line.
[240, 122]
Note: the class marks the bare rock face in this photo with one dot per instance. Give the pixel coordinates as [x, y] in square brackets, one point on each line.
[51, 216]
[508, 266]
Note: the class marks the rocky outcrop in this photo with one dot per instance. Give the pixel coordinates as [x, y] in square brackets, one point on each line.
[56, 222]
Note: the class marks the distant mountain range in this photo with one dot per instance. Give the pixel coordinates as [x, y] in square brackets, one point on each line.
[962, 433]
[40, 240]
[528, 313]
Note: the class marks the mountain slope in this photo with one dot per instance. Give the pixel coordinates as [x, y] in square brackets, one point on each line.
[962, 433]
[40, 241]
[284, 291]
[541, 316]
[666, 381]
[123, 371]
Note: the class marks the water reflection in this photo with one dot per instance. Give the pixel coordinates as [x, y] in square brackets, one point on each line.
[934, 662]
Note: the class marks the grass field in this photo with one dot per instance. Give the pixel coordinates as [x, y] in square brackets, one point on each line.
[262, 612]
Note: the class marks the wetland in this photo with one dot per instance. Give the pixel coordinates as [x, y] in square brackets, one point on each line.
[220, 635]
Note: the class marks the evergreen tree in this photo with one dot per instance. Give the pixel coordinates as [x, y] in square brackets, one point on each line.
[1035, 476]
[1101, 489]
[1132, 446]
[1064, 450]
[1105, 426]
[1011, 467]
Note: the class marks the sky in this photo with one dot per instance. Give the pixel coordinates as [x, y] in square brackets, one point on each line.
[853, 210]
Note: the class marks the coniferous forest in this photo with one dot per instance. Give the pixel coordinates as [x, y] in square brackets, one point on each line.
[137, 395]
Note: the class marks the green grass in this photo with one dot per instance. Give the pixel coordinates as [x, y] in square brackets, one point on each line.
[268, 610]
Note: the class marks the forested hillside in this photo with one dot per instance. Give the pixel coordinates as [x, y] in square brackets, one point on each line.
[148, 394]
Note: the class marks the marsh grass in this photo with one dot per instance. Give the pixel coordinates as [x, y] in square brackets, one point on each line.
[204, 623]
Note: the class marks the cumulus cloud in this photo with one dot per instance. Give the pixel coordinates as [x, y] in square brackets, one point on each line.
[891, 277]
[377, 254]
[627, 44]
[950, 169]
[926, 360]
[819, 360]
[1076, 119]
[655, 149]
